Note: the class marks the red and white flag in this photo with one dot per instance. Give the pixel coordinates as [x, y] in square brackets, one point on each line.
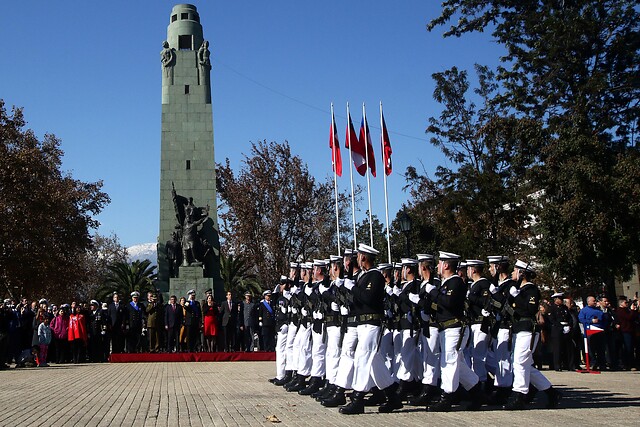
[369, 145]
[334, 144]
[386, 147]
[356, 147]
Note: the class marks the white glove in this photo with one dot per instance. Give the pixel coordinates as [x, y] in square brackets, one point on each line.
[304, 312]
[429, 287]
[468, 293]
[308, 290]
[294, 289]
[388, 289]
[485, 313]
[349, 284]
[322, 289]
[275, 290]
[344, 311]
[397, 291]
[493, 288]
[260, 324]
[314, 315]
[320, 316]
[409, 317]
[335, 306]
[566, 329]
[423, 316]
[294, 310]
[339, 282]
[414, 298]
[283, 309]
[514, 292]
[287, 294]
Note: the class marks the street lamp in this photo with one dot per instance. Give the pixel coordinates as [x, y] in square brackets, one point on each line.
[404, 221]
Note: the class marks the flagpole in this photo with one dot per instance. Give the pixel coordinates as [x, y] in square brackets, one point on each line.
[335, 174]
[366, 154]
[384, 177]
[353, 199]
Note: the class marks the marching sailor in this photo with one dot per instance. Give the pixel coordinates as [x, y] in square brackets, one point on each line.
[478, 299]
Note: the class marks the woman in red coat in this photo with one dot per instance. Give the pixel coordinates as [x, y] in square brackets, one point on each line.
[77, 334]
[209, 314]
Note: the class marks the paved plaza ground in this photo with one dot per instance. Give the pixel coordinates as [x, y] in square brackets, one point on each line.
[237, 393]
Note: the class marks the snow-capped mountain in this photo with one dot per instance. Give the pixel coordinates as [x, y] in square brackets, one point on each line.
[143, 251]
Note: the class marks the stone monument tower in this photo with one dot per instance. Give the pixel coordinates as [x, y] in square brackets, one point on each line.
[188, 244]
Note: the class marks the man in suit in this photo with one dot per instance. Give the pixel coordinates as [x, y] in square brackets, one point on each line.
[136, 317]
[192, 320]
[267, 321]
[229, 311]
[117, 313]
[172, 323]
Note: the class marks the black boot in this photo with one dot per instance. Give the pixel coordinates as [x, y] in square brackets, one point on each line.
[516, 402]
[553, 396]
[356, 406]
[324, 393]
[499, 396]
[429, 392]
[287, 377]
[313, 386]
[292, 380]
[393, 400]
[403, 389]
[443, 404]
[528, 398]
[377, 397]
[335, 399]
[300, 384]
[322, 389]
[476, 397]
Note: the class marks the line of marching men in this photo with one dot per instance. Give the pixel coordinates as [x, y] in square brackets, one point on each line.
[409, 333]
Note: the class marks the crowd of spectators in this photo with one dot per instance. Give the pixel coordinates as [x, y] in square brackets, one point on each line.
[612, 334]
[35, 333]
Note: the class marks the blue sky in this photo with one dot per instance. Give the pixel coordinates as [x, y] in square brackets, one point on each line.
[89, 72]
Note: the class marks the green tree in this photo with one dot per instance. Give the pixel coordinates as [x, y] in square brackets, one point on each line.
[379, 235]
[46, 214]
[125, 278]
[574, 67]
[237, 275]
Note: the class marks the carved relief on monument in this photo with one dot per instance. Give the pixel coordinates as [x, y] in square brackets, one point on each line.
[168, 59]
[204, 63]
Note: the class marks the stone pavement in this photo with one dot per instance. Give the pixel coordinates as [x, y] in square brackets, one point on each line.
[237, 393]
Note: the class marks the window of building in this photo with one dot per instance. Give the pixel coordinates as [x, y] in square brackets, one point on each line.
[186, 89]
[174, 18]
[184, 16]
[184, 42]
[188, 164]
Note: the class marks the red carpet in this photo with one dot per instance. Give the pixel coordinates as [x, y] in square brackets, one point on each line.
[256, 356]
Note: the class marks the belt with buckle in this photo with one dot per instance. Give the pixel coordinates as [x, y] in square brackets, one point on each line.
[449, 323]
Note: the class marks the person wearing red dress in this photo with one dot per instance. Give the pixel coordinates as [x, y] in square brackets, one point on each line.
[210, 312]
[77, 334]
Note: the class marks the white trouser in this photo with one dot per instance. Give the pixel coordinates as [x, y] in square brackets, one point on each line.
[368, 363]
[503, 374]
[281, 351]
[318, 349]
[345, 367]
[332, 357]
[523, 371]
[453, 369]
[303, 344]
[476, 351]
[292, 353]
[430, 351]
[406, 355]
[386, 348]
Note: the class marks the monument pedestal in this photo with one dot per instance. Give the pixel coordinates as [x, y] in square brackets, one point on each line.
[191, 277]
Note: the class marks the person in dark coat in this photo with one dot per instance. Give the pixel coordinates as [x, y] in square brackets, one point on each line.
[267, 321]
[135, 316]
[192, 320]
[96, 330]
[561, 324]
[172, 323]
[117, 312]
[229, 311]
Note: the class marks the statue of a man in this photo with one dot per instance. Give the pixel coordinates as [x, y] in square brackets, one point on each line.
[168, 59]
[173, 254]
[190, 238]
[204, 54]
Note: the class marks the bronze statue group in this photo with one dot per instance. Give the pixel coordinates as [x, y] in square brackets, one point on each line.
[424, 332]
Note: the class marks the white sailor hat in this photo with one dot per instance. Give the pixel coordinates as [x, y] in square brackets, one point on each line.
[94, 302]
[409, 261]
[248, 293]
[43, 301]
[7, 301]
[319, 263]
[266, 293]
[475, 263]
[191, 291]
[558, 295]
[462, 264]
[424, 257]
[135, 294]
[448, 256]
[397, 265]
[294, 265]
[525, 266]
[496, 259]
[366, 249]
[349, 252]
[306, 265]
[384, 266]
[283, 279]
[335, 258]
[65, 306]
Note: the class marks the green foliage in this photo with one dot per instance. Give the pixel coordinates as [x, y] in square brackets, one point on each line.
[124, 278]
[47, 216]
[237, 276]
